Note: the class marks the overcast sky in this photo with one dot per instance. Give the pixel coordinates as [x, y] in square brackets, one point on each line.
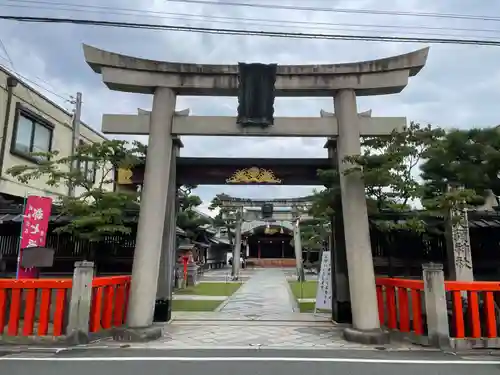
[459, 87]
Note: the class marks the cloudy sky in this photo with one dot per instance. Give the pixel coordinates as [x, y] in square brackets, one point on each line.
[459, 87]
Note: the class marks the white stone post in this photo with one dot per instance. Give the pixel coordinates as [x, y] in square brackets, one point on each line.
[237, 247]
[152, 215]
[297, 245]
[435, 306]
[81, 296]
[357, 234]
[458, 246]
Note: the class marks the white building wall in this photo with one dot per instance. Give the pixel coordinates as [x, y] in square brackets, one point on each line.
[27, 99]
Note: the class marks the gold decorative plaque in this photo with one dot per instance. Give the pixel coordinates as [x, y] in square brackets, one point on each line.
[253, 175]
[271, 231]
[124, 176]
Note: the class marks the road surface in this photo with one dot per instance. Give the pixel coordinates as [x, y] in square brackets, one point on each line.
[245, 362]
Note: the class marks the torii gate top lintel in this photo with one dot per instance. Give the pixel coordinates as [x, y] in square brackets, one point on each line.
[279, 202]
[374, 77]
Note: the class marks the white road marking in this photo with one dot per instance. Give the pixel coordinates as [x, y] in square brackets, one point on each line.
[255, 359]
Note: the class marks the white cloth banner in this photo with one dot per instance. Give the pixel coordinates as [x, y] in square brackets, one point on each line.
[324, 291]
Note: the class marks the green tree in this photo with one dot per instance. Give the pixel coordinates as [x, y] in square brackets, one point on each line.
[390, 169]
[459, 167]
[95, 210]
[314, 234]
[226, 215]
[188, 218]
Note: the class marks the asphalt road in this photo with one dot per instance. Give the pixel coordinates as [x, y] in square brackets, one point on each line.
[245, 362]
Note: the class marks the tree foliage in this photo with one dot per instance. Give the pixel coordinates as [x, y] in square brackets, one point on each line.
[389, 167]
[441, 170]
[468, 162]
[95, 210]
[226, 217]
[313, 234]
[188, 218]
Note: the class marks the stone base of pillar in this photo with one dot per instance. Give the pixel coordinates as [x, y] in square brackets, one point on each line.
[371, 337]
[342, 312]
[163, 310]
[139, 334]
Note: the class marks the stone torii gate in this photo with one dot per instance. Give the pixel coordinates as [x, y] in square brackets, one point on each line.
[166, 80]
[297, 205]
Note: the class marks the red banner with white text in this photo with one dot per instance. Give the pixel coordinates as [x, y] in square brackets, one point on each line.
[34, 230]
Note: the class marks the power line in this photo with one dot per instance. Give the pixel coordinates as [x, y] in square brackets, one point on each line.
[7, 55]
[275, 34]
[271, 23]
[342, 10]
[77, 8]
[13, 71]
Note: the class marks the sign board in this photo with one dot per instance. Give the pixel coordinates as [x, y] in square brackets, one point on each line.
[324, 291]
[38, 257]
[34, 230]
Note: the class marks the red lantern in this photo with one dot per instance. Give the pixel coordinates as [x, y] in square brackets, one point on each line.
[185, 260]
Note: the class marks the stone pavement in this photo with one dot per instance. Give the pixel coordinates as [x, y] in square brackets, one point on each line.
[259, 315]
[245, 334]
[304, 332]
[267, 292]
[192, 297]
[224, 275]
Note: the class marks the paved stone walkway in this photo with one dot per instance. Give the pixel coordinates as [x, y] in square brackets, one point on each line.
[259, 315]
[192, 297]
[267, 292]
[224, 275]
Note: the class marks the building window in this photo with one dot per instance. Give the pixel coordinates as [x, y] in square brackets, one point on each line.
[32, 133]
[87, 168]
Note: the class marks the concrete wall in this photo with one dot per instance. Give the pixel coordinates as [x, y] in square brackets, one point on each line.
[54, 116]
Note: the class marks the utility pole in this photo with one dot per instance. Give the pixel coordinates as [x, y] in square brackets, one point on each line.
[75, 137]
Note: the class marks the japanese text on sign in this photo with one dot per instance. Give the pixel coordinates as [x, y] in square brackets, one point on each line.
[34, 228]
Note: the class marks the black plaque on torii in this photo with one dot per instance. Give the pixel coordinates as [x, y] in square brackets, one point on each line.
[256, 94]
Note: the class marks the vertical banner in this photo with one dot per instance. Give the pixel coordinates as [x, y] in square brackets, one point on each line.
[34, 230]
[324, 291]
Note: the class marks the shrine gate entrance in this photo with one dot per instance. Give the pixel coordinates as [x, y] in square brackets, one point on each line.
[256, 86]
[267, 242]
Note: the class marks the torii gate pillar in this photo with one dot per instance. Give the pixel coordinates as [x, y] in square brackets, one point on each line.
[357, 236]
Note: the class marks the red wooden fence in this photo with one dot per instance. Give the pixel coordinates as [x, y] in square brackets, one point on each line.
[39, 306]
[394, 313]
[396, 298]
[474, 292]
[109, 302]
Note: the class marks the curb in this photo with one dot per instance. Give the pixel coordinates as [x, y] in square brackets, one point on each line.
[255, 347]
